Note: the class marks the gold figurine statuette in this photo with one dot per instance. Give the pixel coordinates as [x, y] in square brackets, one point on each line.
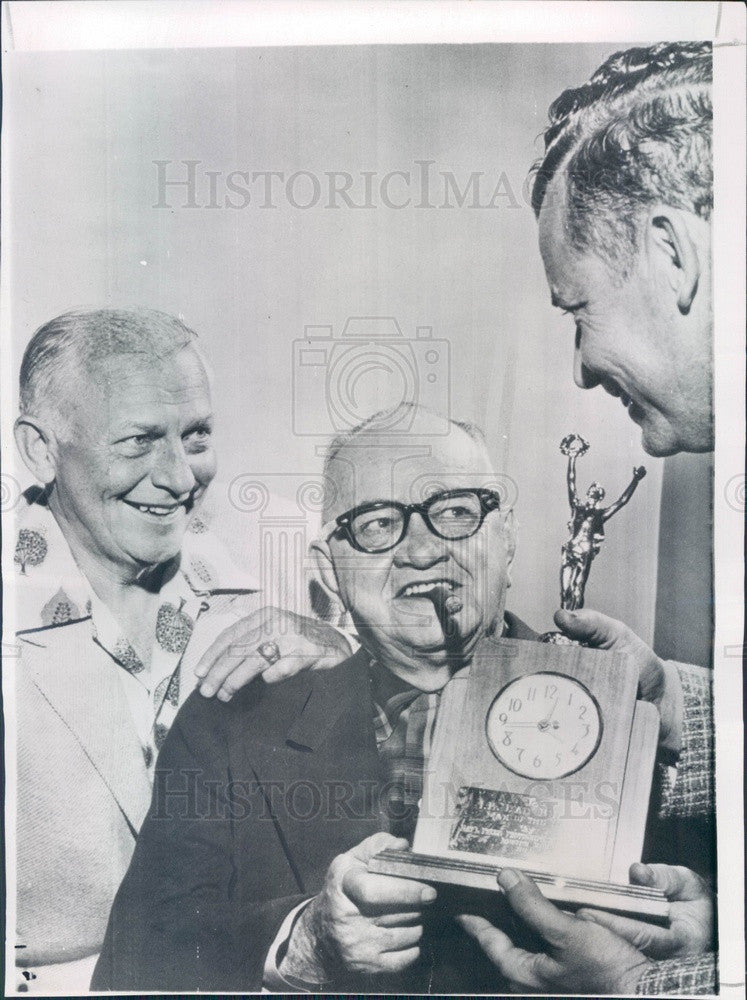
[586, 528]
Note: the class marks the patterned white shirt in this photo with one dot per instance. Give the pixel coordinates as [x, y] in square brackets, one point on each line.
[51, 591]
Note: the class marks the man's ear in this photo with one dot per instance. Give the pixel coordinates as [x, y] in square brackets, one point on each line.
[326, 570]
[37, 447]
[671, 239]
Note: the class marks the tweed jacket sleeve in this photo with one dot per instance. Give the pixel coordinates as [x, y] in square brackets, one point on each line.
[690, 790]
[688, 976]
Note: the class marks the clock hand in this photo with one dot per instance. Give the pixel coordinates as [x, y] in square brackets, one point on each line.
[544, 723]
[556, 738]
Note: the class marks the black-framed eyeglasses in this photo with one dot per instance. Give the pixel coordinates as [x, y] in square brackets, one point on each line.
[382, 524]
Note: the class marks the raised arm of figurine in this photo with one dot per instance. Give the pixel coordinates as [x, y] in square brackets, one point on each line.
[638, 473]
[572, 492]
[573, 445]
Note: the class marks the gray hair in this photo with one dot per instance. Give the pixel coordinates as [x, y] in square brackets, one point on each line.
[78, 339]
[638, 131]
[385, 420]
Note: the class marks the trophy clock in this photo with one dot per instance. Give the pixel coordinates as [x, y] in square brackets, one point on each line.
[542, 758]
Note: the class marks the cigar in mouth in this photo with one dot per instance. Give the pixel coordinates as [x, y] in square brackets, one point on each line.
[446, 604]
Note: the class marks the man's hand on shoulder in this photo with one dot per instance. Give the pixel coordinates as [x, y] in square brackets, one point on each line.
[290, 643]
[658, 681]
[360, 921]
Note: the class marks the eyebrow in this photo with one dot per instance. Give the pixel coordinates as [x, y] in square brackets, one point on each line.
[135, 427]
[202, 421]
[140, 427]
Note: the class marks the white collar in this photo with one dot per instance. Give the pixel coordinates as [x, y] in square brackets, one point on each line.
[50, 588]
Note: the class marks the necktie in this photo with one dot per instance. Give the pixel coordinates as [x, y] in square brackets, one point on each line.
[403, 753]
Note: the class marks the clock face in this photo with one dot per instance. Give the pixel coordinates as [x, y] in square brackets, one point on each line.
[544, 725]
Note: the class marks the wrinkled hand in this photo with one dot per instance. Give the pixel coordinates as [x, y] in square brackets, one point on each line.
[580, 956]
[360, 921]
[658, 682]
[233, 661]
[690, 930]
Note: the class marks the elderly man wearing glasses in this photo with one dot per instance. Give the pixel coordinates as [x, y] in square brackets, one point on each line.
[251, 868]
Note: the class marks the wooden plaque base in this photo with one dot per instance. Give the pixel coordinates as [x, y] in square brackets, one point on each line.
[487, 805]
[568, 892]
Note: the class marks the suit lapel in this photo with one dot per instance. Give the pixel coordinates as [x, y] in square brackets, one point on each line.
[330, 768]
[80, 683]
[333, 694]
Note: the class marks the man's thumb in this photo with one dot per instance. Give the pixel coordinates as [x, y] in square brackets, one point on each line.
[528, 902]
[590, 626]
[676, 882]
[377, 842]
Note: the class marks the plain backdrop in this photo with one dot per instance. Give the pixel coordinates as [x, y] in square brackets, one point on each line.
[90, 227]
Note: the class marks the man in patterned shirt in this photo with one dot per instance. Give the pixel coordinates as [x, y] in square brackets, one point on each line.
[120, 588]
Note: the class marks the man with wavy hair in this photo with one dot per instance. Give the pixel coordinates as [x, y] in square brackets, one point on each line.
[623, 198]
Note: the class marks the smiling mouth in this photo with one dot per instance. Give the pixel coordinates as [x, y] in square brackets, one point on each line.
[426, 587]
[161, 511]
[636, 412]
[614, 390]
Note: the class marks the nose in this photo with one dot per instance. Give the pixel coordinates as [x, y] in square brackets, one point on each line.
[172, 470]
[420, 547]
[583, 377]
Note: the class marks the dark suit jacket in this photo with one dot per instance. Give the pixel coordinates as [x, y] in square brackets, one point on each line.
[252, 802]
